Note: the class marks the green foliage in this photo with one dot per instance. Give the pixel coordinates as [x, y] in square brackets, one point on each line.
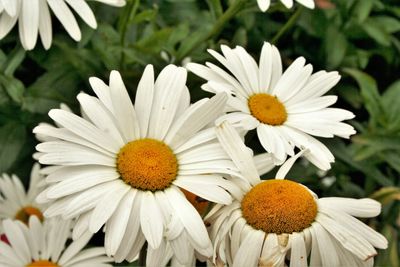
[359, 38]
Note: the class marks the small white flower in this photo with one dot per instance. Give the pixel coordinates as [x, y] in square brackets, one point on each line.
[34, 18]
[45, 245]
[274, 220]
[264, 4]
[15, 202]
[285, 108]
[123, 166]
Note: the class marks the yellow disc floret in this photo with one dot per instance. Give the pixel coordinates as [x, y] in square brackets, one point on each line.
[42, 263]
[279, 206]
[26, 212]
[267, 109]
[147, 164]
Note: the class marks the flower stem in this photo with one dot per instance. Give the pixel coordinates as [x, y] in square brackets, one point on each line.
[219, 24]
[289, 24]
[129, 13]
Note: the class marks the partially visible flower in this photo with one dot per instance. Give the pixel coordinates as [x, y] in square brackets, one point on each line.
[274, 220]
[122, 165]
[264, 4]
[15, 202]
[285, 108]
[45, 245]
[34, 18]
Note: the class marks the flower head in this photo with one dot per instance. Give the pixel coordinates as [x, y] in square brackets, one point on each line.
[34, 18]
[273, 218]
[285, 108]
[45, 245]
[15, 202]
[123, 165]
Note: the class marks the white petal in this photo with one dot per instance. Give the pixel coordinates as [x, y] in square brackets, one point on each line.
[123, 108]
[151, 221]
[298, 257]
[116, 226]
[189, 216]
[84, 129]
[239, 153]
[107, 205]
[84, 11]
[167, 92]
[195, 119]
[250, 249]
[263, 4]
[207, 187]
[29, 22]
[144, 99]
[45, 26]
[67, 19]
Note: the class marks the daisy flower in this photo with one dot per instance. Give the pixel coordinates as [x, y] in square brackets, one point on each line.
[45, 245]
[286, 109]
[15, 202]
[123, 166]
[277, 219]
[264, 4]
[34, 18]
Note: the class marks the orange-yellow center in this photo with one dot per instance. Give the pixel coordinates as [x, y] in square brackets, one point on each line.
[147, 164]
[26, 212]
[267, 109]
[279, 206]
[42, 263]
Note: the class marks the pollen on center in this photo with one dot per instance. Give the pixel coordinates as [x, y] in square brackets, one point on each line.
[279, 206]
[26, 212]
[267, 109]
[147, 164]
[42, 263]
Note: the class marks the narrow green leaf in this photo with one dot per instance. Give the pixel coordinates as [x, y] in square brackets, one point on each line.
[12, 138]
[369, 92]
[335, 47]
[14, 87]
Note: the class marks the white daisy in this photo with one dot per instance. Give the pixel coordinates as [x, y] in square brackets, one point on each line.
[278, 219]
[15, 202]
[34, 18]
[124, 165]
[284, 108]
[45, 245]
[264, 4]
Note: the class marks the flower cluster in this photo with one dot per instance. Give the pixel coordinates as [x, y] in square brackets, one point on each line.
[139, 170]
[33, 17]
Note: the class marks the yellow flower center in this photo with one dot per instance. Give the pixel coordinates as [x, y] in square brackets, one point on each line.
[42, 263]
[147, 164]
[267, 109]
[279, 206]
[26, 212]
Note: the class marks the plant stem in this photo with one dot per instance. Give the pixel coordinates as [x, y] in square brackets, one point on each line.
[235, 8]
[215, 8]
[292, 20]
[132, 8]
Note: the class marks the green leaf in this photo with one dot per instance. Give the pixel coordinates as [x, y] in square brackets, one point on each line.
[362, 9]
[369, 92]
[376, 32]
[389, 24]
[14, 59]
[335, 48]
[12, 138]
[391, 105]
[14, 88]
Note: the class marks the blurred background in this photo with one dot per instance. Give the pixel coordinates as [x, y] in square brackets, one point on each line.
[358, 38]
